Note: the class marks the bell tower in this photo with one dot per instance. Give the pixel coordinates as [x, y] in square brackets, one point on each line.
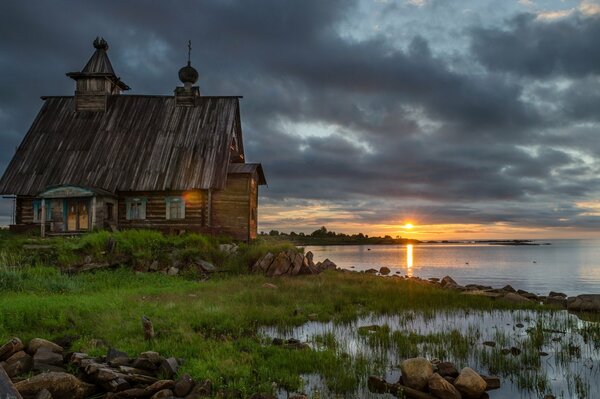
[97, 82]
[188, 95]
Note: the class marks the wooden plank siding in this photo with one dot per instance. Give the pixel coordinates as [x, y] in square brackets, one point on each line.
[231, 208]
[156, 208]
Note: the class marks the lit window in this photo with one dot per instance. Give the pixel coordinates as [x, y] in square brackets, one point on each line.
[175, 208]
[136, 208]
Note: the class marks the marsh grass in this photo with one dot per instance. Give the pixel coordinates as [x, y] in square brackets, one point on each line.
[218, 325]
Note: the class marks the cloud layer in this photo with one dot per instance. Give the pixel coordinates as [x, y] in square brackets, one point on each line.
[361, 113]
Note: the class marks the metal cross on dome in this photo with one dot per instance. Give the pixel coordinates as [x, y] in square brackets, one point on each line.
[189, 51]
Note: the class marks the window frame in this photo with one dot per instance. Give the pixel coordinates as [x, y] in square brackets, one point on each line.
[130, 201]
[172, 200]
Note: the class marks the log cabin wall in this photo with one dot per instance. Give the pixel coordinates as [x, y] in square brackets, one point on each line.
[156, 208]
[253, 210]
[231, 208]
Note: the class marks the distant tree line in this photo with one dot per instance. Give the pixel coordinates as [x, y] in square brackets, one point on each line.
[322, 236]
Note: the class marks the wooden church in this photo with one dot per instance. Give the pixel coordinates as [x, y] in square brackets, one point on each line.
[102, 159]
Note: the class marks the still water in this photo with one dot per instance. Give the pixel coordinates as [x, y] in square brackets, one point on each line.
[569, 266]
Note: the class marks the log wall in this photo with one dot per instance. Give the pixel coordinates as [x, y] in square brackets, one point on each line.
[195, 211]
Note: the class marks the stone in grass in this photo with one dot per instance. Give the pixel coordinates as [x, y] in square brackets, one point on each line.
[113, 354]
[416, 372]
[10, 348]
[60, 385]
[47, 357]
[440, 388]
[38, 343]
[18, 363]
[43, 394]
[384, 271]
[201, 390]
[470, 384]
[165, 393]
[169, 367]
[184, 385]
[515, 298]
[491, 344]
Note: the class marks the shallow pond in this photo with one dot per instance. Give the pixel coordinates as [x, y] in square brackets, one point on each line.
[554, 351]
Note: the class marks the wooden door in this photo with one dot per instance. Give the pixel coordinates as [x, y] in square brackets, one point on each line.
[83, 215]
[78, 215]
[72, 215]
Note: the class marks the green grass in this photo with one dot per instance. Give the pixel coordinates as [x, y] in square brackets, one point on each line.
[212, 324]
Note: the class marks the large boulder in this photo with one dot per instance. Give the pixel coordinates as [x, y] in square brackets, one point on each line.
[384, 270]
[448, 282]
[470, 384]
[584, 303]
[38, 343]
[262, 265]
[280, 266]
[60, 385]
[326, 265]
[515, 298]
[416, 372]
[7, 389]
[441, 388]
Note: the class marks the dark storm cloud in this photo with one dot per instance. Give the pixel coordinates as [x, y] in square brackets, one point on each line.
[534, 47]
[364, 124]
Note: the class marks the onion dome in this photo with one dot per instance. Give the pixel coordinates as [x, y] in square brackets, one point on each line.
[188, 74]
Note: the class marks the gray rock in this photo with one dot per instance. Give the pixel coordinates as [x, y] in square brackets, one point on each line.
[556, 301]
[169, 367]
[38, 343]
[11, 347]
[557, 294]
[280, 266]
[18, 363]
[508, 288]
[183, 386]
[447, 369]
[584, 303]
[416, 372]
[206, 266]
[115, 353]
[165, 393]
[173, 271]
[442, 389]
[7, 389]
[46, 357]
[60, 385]
[492, 382]
[328, 265]
[43, 394]
[262, 265]
[448, 282]
[470, 384]
[515, 298]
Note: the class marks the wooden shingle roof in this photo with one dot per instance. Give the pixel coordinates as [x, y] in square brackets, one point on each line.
[141, 143]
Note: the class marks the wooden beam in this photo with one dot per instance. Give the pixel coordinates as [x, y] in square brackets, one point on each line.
[209, 216]
[93, 223]
[43, 219]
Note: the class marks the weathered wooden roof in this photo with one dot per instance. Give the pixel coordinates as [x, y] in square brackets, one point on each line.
[248, 168]
[140, 143]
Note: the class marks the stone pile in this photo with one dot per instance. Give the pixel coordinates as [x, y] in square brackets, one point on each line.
[422, 379]
[44, 370]
[290, 263]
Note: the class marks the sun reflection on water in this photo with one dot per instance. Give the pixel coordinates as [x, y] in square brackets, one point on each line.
[409, 258]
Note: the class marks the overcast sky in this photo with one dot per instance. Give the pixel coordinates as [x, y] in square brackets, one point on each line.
[473, 118]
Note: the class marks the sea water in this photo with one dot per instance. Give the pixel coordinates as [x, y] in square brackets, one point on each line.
[568, 266]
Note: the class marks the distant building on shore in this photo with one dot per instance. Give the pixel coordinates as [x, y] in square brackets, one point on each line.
[102, 159]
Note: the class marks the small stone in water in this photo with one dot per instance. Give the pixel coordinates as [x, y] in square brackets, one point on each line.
[490, 343]
[519, 325]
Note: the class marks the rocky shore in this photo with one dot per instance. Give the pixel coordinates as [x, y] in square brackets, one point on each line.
[293, 264]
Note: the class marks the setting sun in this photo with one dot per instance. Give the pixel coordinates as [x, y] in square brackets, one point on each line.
[408, 226]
